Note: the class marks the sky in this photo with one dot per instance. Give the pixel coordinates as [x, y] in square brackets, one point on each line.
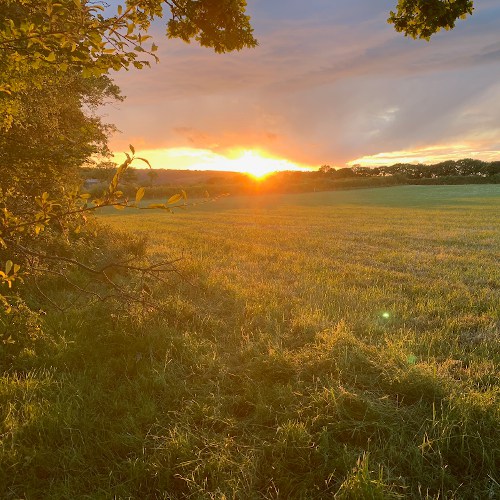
[331, 83]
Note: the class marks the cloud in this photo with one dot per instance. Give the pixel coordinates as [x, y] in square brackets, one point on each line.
[329, 83]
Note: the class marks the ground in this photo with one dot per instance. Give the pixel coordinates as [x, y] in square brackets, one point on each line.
[329, 345]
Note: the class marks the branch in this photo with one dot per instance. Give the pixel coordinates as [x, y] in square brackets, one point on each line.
[59, 258]
[151, 270]
[57, 306]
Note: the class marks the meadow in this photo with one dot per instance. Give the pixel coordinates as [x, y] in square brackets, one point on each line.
[323, 345]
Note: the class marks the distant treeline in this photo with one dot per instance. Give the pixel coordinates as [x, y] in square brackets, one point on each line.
[162, 182]
[466, 167]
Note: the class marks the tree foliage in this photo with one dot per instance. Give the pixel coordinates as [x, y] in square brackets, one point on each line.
[424, 18]
[44, 233]
[466, 167]
[87, 35]
[54, 129]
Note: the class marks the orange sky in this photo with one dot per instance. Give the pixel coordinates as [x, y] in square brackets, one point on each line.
[256, 162]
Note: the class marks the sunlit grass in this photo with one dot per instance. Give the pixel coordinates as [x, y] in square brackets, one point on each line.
[339, 345]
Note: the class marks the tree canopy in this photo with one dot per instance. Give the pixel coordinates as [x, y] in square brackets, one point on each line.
[88, 35]
[424, 18]
[89, 38]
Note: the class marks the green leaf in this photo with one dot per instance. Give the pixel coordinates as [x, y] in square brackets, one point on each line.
[175, 198]
[140, 194]
[8, 266]
[145, 161]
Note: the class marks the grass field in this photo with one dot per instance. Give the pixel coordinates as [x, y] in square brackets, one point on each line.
[331, 345]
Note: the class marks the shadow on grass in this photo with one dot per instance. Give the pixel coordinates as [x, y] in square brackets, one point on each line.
[182, 405]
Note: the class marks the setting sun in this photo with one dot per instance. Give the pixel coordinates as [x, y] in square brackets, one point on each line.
[258, 165]
[254, 162]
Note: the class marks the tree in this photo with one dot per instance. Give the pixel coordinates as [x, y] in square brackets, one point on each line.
[54, 129]
[84, 34]
[54, 58]
[423, 18]
[344, 173]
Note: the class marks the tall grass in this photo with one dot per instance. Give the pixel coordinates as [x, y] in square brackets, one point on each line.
[313, 348]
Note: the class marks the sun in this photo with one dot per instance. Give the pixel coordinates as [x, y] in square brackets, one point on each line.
[251, 162]
[254, 162]
[258, 165]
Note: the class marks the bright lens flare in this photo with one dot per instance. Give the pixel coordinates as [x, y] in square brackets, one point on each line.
[253, 162]
[258, 165]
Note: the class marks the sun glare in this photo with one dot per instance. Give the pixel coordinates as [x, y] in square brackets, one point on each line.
[258, 165]
[253, 162]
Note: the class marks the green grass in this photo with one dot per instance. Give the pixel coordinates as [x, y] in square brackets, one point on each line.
[332, 345]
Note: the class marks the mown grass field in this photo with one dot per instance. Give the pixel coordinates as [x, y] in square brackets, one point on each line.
[332, 345]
